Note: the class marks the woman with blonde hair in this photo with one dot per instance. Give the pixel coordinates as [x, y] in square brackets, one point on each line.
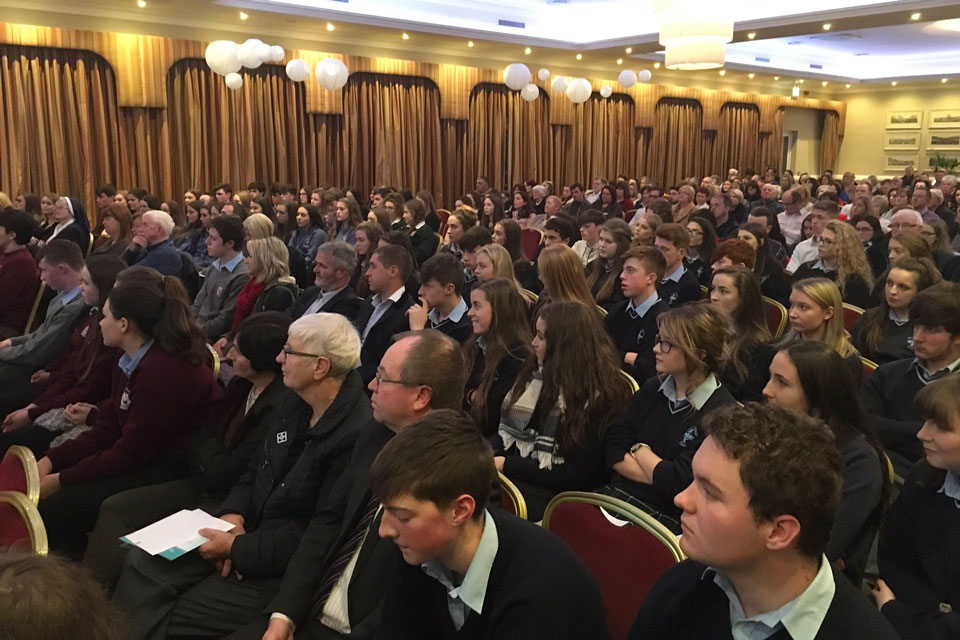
[562, 275]
[270, 287]
[816, 313]
[685, 204]
[645, 231]
[493, 261]
[842, 259]
[257, 226]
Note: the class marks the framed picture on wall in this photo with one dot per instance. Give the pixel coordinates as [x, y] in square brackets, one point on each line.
[897, 162]
[943, 119]
[943, 140]
[902, 141]
[928, 158]
[904, 119]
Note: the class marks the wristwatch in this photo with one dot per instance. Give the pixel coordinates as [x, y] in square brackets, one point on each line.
[637, 447]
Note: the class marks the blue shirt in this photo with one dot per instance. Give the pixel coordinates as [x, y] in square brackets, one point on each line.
[128, 364]
[677, 274]
[380, 306]
[640, 311]
[230, 265]
[67, 296]
[453, 316]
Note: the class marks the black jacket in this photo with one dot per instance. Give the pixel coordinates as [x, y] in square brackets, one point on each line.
[277, 296]
[503, 378]
[635, 335]
[887, 397]
[296, 467]
[330, 528]
[687, 289]
[856, 291]
[684, 604]
[74, 233]
[392, 322]
[537, 589]
[346, 303]
[424, 243]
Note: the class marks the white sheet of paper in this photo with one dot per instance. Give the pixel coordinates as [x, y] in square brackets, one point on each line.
[178, 530]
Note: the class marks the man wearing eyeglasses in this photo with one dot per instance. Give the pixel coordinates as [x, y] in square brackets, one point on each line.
[823, 212]
[906, 221]
[306, 451]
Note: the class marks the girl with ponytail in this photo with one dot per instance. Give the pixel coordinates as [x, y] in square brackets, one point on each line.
[163, 389]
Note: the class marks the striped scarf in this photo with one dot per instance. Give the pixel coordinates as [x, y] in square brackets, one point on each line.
[515, 431]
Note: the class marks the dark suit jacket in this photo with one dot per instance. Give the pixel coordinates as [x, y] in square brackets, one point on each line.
[331, 527]
[392, 322]
[75, 234]
[537, 589]
[346, 303]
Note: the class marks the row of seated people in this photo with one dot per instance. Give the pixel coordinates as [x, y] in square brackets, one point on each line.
[506, 315]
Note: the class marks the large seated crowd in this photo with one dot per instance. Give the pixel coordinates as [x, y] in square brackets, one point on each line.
[342, 374]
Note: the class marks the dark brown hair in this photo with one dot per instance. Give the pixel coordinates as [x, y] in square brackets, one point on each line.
[749, 329]
[622, 236]
[939, 401]
[650, 257]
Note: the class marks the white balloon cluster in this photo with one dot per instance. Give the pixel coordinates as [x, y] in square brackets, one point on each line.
[579, 90]
[516, 76]
[560, 84]
[226, 58]
[331, 73]
[628, 78]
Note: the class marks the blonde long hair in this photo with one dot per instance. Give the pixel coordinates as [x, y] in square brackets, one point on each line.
[272, 258]
[502, 264]
[562, 274]
[851, 259]
[826, 295]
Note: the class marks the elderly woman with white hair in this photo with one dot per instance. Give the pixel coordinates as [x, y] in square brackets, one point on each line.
[151, 245]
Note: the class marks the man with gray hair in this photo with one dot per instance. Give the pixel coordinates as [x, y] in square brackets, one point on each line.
[906, 221]
[333, 268]
[306, 449]
[151, 246]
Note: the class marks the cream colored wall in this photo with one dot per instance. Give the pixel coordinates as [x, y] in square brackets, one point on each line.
[862, 148]
[808, 123]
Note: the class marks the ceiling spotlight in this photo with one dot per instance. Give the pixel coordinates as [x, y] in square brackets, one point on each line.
[893, 84]
[914, 16]
[656, 65]
[776, 77]
[470, 43]
[243, 15]
[629, 50]
[330, 26]
[826, 27]
[943, 81]
[527, 51]
[723, 72]
[800, 81]
[405, 36]
[751, 75]
[579, 56]
[619, 60]
[751, 35]
[848, 86]
[824, 83]
[142, 4]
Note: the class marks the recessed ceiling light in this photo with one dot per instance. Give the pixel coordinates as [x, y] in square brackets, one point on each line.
[629, 50]
[579, 56]
[893, 84]
[723, 72]
[943, 81]
[656, 65]
[824, 83]
[800, 81]
[751, 35]
[243, 15]
[330, 26]
[751, 75]
[142, 4]
[848, 86]
[527, 51]
[776, 77]
[405, 36]
[915, 16]
[470, 43]
[619, 60]
[826, 27]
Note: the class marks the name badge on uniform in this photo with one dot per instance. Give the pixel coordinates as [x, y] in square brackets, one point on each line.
[281, 437]
[125, 400]
[83, 334]
[219, 291]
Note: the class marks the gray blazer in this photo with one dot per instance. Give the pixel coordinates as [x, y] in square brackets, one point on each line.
[50, 340]
[216, 302]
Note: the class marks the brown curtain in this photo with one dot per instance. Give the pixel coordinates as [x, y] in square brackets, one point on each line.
[457, 179]
[259, 132]
[642, 151]
[324, 161]
[59, 127]
[677, 140]
[604, 137]
[145, 152]
[830, 140]
[738, 138]
[563, 156]
[392, 132]
[507, 137]
[771, 144]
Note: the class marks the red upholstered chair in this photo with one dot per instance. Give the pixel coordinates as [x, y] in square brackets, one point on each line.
[851, 313]
[18, 472]
[530, 240]
[625, 560]
[511, 500]
[20, 524]
[776, 316]
[869, 366]
[444, 216]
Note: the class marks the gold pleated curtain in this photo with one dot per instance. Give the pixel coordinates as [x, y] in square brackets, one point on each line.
[642, 142]
[392, 132]
[830, 140]
[145, 152]
[771, 144]
[738, 138]
[677, 140]
[458, 179]
[59, 128]
[604, 137]
[562, 156]
[508, 138]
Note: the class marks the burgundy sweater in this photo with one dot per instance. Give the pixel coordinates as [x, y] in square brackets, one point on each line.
[65, 386]
[19, 281]
[146, 420]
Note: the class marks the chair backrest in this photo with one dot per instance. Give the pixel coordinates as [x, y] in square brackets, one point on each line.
[869, 366]
[439, 238]
[634, 385]
[704, 292]
[625, 560]
[530, 240]
[32, 318]
[776, 316]
[216, 361]
[18, 472]
[20, 524]
[529, 296]
[90, 246]
[601, 311]
[511, 500]
[851, 313]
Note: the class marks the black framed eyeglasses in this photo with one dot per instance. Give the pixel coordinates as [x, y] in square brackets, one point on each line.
[287, 351]
[665, 345]
[382, 380]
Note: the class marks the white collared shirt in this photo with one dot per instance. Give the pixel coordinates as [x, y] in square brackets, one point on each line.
[677, 273]
[380, 306]
[803, 252]
[699, 396]
[322, 299]
[454, 316]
